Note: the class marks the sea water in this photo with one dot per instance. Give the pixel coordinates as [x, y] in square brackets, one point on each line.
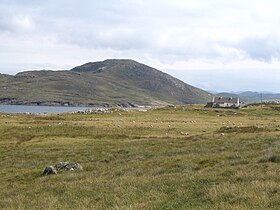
[39, 109]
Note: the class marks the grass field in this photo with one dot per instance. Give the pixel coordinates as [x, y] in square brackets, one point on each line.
[185, 157]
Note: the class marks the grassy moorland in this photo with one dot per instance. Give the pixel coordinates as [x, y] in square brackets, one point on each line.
[187, 157]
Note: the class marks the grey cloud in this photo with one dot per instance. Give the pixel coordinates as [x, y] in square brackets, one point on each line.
[161, 29]
[16, 19]
[158, 29]
[4, 23]
[53, 33]
[210, 80]
[117, 39]
[261, 48]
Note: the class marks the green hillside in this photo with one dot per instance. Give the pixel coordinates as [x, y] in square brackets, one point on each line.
[122, 82]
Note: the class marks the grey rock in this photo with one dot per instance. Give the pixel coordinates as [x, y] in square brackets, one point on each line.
[62, 166]
[66, 166]
[49, 170]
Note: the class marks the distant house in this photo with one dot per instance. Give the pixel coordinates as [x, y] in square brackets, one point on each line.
[224, 102]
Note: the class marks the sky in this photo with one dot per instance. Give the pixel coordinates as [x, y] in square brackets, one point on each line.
[217, 45]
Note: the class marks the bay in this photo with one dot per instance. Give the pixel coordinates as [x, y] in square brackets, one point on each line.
[39, 109]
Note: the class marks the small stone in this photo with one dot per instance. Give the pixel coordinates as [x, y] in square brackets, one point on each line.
[77, 167]
[49, 170]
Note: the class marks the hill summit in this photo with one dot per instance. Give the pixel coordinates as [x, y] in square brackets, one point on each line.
[110, 82]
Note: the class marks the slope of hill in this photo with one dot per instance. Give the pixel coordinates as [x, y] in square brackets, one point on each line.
[252, 97]
[123, 82]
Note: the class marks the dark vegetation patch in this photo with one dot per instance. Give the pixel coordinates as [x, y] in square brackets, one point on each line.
[244, 129]
[50, 118]
[24, 138]
[269, 157]
[225, 111]
[275, 108]
[196, 138]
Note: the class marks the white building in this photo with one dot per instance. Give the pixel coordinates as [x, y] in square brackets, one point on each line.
[225, 102]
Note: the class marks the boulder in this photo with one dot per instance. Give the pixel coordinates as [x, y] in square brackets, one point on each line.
[62, 166]
[66, 166]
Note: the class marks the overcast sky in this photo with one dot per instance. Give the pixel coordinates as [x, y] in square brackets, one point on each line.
[212, 44]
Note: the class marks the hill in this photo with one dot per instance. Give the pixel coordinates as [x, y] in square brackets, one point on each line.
[110, 82]
[252, 97]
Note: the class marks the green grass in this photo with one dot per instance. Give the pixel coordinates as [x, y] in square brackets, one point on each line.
[169, 158]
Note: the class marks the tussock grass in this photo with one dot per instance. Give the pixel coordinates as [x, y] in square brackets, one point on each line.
[270, 156]
[129, 164]
[244, 129]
